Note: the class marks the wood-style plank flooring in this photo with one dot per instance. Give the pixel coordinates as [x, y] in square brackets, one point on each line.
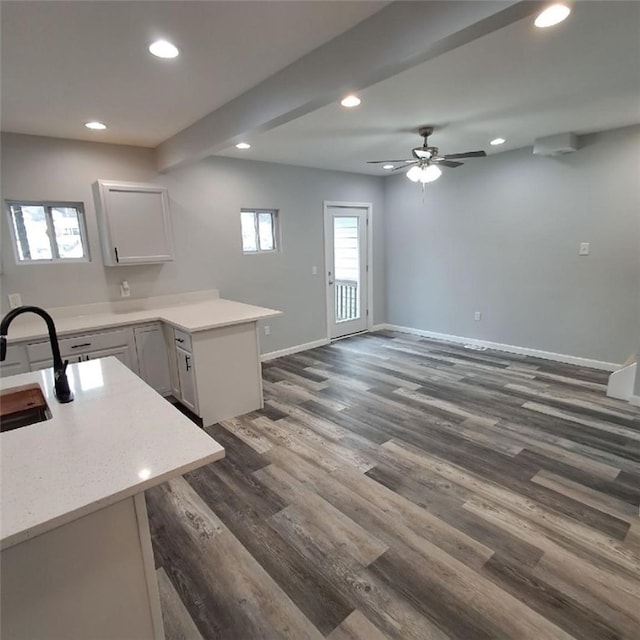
[397, 487]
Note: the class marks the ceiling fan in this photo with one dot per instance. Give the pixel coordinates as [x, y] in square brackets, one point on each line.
[426, 161]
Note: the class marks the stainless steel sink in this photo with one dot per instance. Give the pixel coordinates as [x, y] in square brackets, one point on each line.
[22, 406]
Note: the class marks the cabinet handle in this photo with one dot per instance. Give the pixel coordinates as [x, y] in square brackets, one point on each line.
[79, 346]
[115, 250]
[187, 361]
[181, 340]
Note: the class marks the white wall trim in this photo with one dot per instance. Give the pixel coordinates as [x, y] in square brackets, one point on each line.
[635, 401]
[525, 351]
[295, 349]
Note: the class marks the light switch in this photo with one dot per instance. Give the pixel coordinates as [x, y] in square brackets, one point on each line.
[314, 271]
[477, 316]
[584, 248]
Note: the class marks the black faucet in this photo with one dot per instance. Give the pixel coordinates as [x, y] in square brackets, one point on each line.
[60, 382]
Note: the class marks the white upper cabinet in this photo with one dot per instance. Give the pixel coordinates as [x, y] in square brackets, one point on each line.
[134, 221]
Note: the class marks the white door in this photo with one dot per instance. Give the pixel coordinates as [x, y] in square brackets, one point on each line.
[346, 245]
[187, 380]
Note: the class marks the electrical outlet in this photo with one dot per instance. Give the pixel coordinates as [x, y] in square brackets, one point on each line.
[314, 271]
[477, 316]
[584, 249]
[15, 300]
[267, 330]
[125, 291]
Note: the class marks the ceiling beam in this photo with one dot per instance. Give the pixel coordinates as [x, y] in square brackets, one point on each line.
[398, 37]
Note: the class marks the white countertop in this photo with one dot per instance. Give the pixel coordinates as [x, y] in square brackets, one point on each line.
[190, 316]
[117, 438]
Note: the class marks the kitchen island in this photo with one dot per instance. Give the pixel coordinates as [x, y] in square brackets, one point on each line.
[76, 550]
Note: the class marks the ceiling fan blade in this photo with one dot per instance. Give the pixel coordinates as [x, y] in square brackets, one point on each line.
[386, 161]
[450, 163]
[466, 154]
[405, 166]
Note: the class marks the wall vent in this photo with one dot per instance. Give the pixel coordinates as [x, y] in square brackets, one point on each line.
[558, 145]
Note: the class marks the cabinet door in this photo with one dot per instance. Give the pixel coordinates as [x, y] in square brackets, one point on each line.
[122, 353]
[187, 379]
[153, 361]
[16, 361]
[134, 223]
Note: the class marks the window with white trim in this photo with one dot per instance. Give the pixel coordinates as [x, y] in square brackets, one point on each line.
[259, 230]
[45, 232]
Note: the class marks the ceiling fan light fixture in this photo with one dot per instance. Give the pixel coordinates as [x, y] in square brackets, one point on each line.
[350, 101]
[414, 174]
[552, 15]
[424, 174]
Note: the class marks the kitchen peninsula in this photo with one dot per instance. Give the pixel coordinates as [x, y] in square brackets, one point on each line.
[76, 551]
[199, 348]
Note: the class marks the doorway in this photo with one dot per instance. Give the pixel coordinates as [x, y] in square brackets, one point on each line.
[347, 249]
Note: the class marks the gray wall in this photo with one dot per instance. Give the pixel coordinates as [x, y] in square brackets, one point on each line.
[206, 199]
[501, 236]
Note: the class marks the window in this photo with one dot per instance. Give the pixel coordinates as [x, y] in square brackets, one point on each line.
[259, 231]
[48, 232]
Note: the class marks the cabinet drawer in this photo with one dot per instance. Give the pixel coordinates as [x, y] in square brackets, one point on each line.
[80, 344]
[183, 340]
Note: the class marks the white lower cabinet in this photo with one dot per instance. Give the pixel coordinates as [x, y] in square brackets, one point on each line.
[153, 357]
[186, 378]
[215, 372]
[16, 361]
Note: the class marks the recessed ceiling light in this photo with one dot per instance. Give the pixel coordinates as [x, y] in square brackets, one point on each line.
[243, 145]
[98, 126]
[163, 49]
[496, 141]
[350, 101]
[387, 166]
[552, 15]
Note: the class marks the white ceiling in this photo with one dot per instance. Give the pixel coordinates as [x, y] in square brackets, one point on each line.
[65, 62]
[518, 83]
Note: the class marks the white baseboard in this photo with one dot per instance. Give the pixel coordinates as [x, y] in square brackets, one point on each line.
[378, 327]
[295, 349]
[635, 401]
[525, 351]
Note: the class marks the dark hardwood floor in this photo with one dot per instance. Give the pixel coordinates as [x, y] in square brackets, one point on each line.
[397, 487]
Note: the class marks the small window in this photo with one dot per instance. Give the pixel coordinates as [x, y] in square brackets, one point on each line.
[48, 232]
[259, 231]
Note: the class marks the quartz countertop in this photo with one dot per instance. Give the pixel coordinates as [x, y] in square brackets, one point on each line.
[117, 438]
[188, 316]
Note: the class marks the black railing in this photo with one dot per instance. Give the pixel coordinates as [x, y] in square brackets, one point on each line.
[346, 300]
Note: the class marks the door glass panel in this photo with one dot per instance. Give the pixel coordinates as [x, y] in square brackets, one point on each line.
[66, 224]
[346, 251]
